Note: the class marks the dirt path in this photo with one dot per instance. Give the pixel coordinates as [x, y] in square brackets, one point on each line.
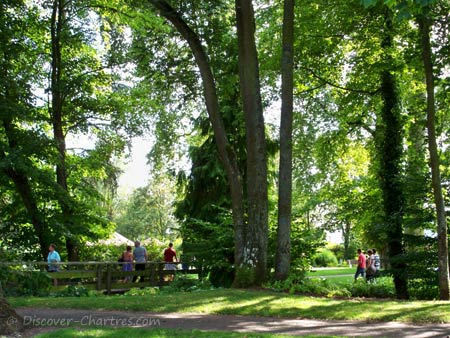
[43, 319]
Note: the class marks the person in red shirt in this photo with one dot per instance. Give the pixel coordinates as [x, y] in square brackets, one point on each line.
[361, 269]
[170, 256]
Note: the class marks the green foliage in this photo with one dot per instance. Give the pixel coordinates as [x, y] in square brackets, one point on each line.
[305, 241]
[221, 276]
[324, 258]
[340, 253]
[142, 291]
[211, 246]
[382, 287]
[245, 277]
[102, 252]
[148, 212]
[75, 291]
[422, 268]
[24, 283]
[183, 283]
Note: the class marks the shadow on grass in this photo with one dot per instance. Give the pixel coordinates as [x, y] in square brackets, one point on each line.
[256, 303]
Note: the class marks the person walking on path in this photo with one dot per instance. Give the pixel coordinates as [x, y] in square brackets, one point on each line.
[370, 270]
[170, 256]
[377, 262]
[140, 257]
[361, 268]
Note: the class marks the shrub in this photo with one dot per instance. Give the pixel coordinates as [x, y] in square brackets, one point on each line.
[245, 277]
[75, 291]
[142, 292]
[382, 287]
[221, 276]
[24, 283]
[186, 284]
[324, 257]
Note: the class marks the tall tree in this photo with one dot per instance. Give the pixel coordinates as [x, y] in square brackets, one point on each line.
[283, 254]
[391, 144]
[226, 153]
[58, 29]
[424, 22]
[19, 145]
[254, 259]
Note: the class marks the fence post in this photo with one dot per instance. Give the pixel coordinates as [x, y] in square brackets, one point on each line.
[99, 276]
[160, 273]
[152, 268]
[108, 279]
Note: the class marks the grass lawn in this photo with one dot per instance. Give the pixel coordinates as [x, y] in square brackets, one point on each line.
[258, 303]
[331, 272]
[156, 333]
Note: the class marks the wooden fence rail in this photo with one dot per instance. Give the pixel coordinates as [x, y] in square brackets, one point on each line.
[106, 276]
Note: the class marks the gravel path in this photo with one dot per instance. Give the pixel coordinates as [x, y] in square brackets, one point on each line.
[44, 319]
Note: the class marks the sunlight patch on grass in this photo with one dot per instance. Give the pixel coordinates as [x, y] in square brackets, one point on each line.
[157, 333]
[257, 303]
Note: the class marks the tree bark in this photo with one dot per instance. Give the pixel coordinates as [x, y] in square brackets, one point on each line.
[283, 251]
[226, 152]
[346, 233]
[252, 269]
[10, 321]
[56, 113]
[443, 261]
[390, 168]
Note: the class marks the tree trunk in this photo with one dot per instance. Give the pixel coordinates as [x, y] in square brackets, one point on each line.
[56, 113]
[252, 269]
[226, 152]
[346, 233]
[283, 253]
[390, 168]
[10, 321]
[443, 261]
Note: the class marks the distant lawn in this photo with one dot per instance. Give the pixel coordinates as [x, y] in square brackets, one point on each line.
[156, 333]
[258, 303]
[331, 272]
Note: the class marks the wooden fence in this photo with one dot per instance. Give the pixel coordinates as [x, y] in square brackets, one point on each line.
[106, 276]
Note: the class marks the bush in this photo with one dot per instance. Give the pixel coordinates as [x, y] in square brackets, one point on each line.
[75, 291]
[221, 276]
[382, 287]
[186, 284]
[324, 258]
[311, 286]
[24, 283]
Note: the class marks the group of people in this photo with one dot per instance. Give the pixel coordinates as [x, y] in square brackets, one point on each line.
[139, 256]
[368, 265]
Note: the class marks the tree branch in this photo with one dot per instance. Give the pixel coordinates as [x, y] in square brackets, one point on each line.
[373, 92]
